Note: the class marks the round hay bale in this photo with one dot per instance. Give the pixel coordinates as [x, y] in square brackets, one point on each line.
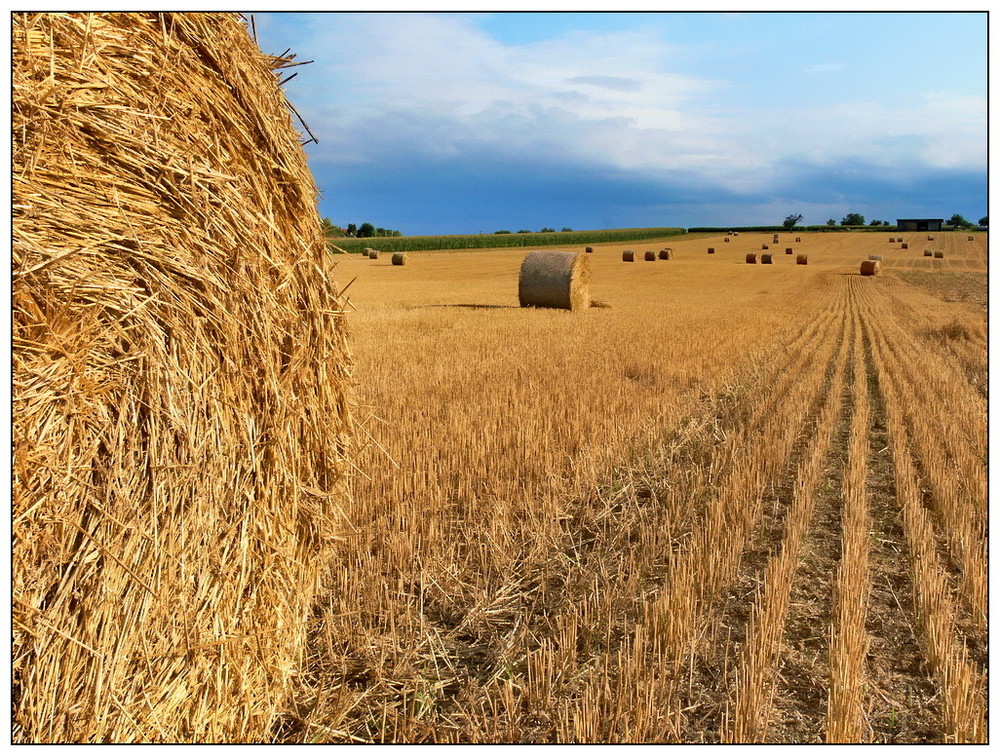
[751, 258]
[764, 246]
[765, 259]
[874, 257]
[892, 240]
[373, 255]
[788, 250]
[666, 254]
[554, 279]
[928, 253]
[399, 258]
[711, 250]
[870, 267]
[904, 245]
[802, 259]
[588, 250]
[726, 240]
[628, 256]
[798, 239]
[939, 254]
[650, 256]
[971, 238]
[367, 251]
[180, 382]
[930, 238]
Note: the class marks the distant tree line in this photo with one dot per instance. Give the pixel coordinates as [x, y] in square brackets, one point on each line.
[857, 219]
[363, 231]
[545, 230]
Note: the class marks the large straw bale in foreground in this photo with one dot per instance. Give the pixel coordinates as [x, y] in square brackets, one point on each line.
[555, 279]
[180, 381]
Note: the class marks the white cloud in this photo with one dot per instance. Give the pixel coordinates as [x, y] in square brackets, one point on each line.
[438, 86]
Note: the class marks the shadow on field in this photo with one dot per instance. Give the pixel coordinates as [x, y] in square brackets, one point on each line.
[474, 306]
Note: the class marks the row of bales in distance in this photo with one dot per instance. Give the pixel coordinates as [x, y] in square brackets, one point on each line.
[561, 279]
[398, 258]
[667, 253]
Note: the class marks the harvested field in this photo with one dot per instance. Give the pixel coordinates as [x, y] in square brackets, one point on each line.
[620, 562]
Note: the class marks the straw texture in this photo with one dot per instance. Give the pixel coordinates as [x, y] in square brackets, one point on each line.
[555, 279]
[180, 382]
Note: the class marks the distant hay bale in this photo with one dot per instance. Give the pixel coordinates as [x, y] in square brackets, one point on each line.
[628, 256]
[802, 259]
[892, 240]
[726, 240]
[588, 250]
[650, 256]
[765, 259]
[180, 382]
[751, 258]
[904, 245]
[930, 238]
[373, 255]
[666, 254]
[711, 250]
[764, 246]
[367, 251]
[554, 279]
[939, 254]
[399, 258]
[874, 257]
[870, 267]
[971, 238]
[798, 239]
[788, 250]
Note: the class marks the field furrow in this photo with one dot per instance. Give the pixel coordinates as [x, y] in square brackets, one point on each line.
[846, 710]
[959, 681]
[756, 673]
[947, 458]
[661, 641]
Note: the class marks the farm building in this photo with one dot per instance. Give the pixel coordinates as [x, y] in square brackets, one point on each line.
[919, 224]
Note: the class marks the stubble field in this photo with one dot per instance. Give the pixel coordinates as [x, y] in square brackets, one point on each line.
[740, 503]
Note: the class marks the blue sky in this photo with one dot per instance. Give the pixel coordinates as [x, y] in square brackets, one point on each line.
[465, 122]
